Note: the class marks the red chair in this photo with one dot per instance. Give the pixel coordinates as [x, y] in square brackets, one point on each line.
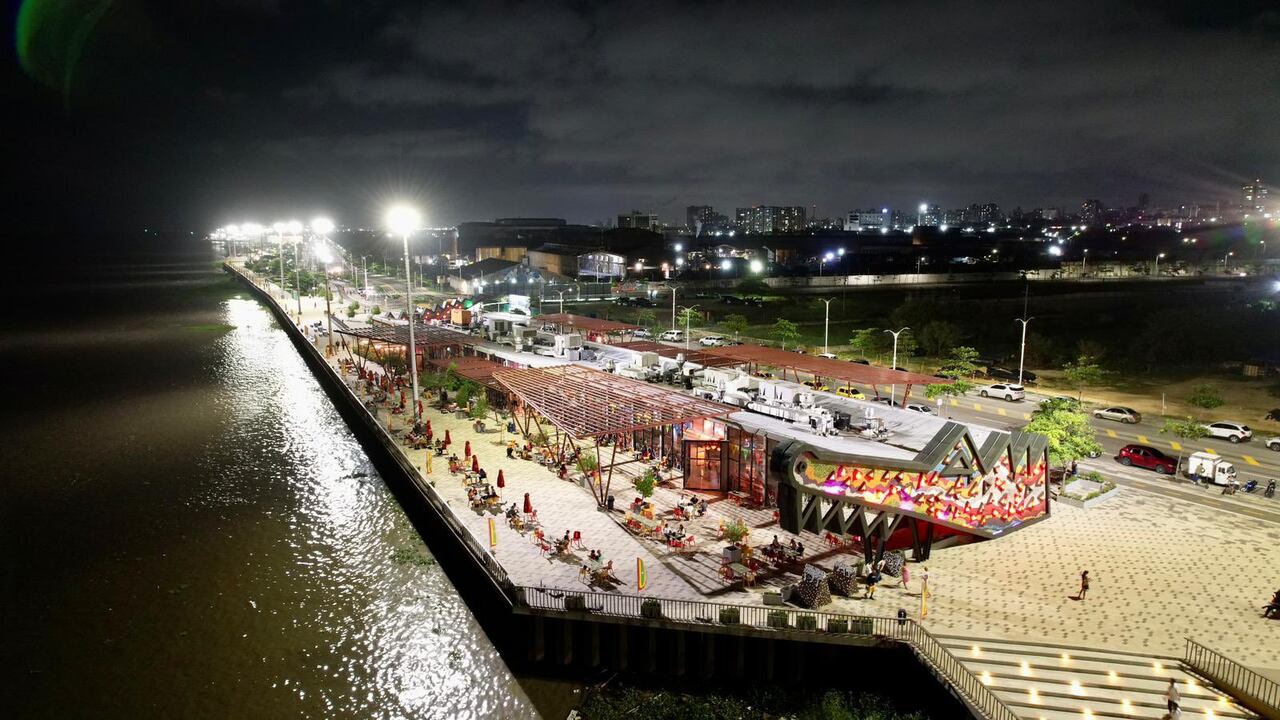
[577, 539]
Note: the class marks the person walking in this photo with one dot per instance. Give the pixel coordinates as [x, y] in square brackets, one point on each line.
[1174, 698]
[924, 582]
[873, 579]
[1084, 584]
[906, 576]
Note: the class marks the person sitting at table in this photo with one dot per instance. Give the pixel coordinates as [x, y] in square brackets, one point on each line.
[775, 545]
[482, 474]
[799, 548]
[607, 571]
[563, 472]
[702, 507]
[511, 453]
[513, 511]
[453, 465]
[593, 555]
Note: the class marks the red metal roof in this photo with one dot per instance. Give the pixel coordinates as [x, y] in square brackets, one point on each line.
[590, 324]
[471, 367]
[584, 402]
[822, 367]
[668, 351]
[424, 336]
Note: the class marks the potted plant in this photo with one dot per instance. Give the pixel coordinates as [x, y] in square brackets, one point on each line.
[736, 530]
[646, 483]
[837, 626]
[806, 622]
[650, 609]
[575, 602]
[778, 619]
[862, 626]
[730, 616]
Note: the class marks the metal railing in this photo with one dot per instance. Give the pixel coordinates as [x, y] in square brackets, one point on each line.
[1255, 691]
[979, 697]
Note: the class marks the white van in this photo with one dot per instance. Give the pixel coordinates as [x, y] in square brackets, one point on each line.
[673, 336]
[1213, 468]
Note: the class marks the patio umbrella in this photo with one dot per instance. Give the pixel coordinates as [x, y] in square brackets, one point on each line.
[475, 463]
[502, 482]
[447, 440]
[401, 399]
[466, 450]
[428, 422]
[528, 505]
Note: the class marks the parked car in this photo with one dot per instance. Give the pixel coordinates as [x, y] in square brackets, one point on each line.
[854, 393]
[1147, 457]
[829, 356]
[711, 341]
[815, 385]
[1274, 443]
[920, 408]
[861, 361]
[673, 336]
[1004, 391]
[1235, 432]
[1119, 413]
[642, 333]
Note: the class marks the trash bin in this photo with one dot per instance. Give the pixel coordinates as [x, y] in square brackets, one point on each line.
[609, 503]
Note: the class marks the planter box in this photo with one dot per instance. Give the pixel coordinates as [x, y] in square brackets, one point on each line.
[773, 598]
[806, 622]
[862, 626]
[778, 619]
[650, 609]
[1086, 504]
[730, 616]
[837, 626]
[574, 602]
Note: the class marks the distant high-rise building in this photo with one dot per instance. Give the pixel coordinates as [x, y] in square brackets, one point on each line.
[1091, 211]
[864, 220]
[1048, 213]
[764, 219]
[698, 215]
[929, 215]
[983, 214]
[1254, 196]
[636, 220]
[1143, 201]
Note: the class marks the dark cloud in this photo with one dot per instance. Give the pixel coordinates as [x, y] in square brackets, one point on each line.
[585, 110]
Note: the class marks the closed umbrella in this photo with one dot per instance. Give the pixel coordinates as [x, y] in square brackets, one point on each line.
[528, 504]
[502, 482]
[475, 463]
[428, 422]
[447, 440]
[466, 450]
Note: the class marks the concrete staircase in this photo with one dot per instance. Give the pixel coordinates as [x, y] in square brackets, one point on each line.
[1043, 681]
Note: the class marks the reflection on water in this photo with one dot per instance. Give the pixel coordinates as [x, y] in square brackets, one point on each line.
[198, 533]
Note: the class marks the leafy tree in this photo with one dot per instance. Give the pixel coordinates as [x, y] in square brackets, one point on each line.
[375, 311]
[917, 312]
[1070, 435]
[646, 318]
[1082, 373]
[939, 336]
[785, 331]
[906, 344]
[871, 342]
[736, 324]
[646, 483]
[351, 312]
[1205, 397]
[688, 317]
[963, 363]
[954, 389]
[481, 407]
[1187, 429]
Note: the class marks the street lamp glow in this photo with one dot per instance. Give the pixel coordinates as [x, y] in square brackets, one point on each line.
[232, 229]
[679, 247]
[829, 257]
[403, 219]
[251, 229]
[294, 227]
[726, 265]
[924, 208]
[757, 266]
[322, 226]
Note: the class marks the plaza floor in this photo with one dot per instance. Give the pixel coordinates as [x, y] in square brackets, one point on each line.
[1162, 569]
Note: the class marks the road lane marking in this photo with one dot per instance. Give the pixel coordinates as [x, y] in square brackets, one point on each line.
[1000, 411]
[1112, 434]
[1026, 416]
[955, 403]
[1143, 439]
[1211, 451]
[977, 407]
[1249, 459]
[1175, 445]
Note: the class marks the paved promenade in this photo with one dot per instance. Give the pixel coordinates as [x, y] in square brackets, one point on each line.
[1163, 568]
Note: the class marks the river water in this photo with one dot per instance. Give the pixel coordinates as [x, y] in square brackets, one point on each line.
[190, 529]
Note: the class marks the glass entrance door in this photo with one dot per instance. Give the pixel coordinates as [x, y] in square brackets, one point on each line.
[703, 464]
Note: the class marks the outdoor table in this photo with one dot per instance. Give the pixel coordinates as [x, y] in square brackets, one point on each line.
[742, 571]
[594, 566]
[739, 497]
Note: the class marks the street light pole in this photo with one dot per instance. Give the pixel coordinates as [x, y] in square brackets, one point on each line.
[364, 259]
[893, 388]
[673, 306]
[403, 220]
[1158, 256]
[826, 327]
[561, 293]
[688, 318]
[1023, 353]
[1084, 263]
[297, 278]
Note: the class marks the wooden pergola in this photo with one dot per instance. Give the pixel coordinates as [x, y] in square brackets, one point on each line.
[693, 355]
[427, 338]
[582, 324]
[581, 403]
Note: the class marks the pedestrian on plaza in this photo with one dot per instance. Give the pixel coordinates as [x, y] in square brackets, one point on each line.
[906, 576]
[924, 582]
[1074, 468]
[873, 579]
[1174, 697]
[1084, 584]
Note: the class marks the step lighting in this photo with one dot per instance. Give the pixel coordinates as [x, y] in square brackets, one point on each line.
[1086, 712]
[1066, 659]
[1113, 677]
[1076, 689]
[975, 650]
[1208, 713]
[1124, 702]
[986, 677]
[1157, 666]
[1033, 696]
[1026, 669]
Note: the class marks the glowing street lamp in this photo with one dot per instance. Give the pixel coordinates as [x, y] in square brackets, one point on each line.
[893, 388]
[826, 326]
[404, 220]
[1023, 353]
[280, 227]
[1158, 256]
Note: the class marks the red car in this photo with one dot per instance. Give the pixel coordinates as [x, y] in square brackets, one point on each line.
[1147, 457]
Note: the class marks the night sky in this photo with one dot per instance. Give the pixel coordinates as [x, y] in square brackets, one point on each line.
[193, 114]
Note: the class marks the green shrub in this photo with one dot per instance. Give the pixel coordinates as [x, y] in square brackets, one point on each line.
[806, 622]
[862, 626]
[736, 530]
[778, 619]
[575, 602]
[646, 483]
[651, 609]
[837, 626]
[730, 616]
